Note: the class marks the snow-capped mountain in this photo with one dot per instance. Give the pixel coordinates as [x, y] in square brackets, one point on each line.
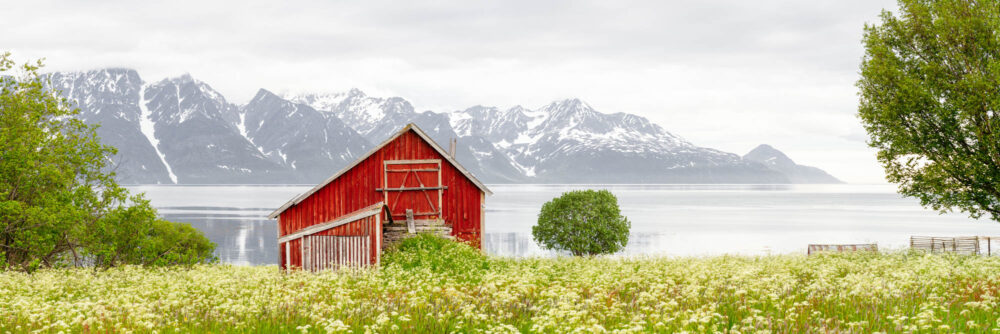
[378, 118]
[111, 97]
[197, 135]
[372, 117]
[180, 130]
[568, 141]
[312, 144]
[501, 127]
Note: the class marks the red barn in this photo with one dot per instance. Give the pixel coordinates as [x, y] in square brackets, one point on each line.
[407, 183]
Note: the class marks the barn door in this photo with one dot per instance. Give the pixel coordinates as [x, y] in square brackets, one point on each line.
[413, 185]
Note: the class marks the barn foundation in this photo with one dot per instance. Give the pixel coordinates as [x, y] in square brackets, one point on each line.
[397, 231]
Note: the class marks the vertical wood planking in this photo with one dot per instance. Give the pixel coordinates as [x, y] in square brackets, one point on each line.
[482, 218]
[348, 245]
[341, 251]
[305, 254]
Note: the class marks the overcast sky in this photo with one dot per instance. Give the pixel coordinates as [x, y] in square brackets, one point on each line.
[723, 74]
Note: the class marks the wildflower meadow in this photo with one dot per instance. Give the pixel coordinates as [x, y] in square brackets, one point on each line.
[862, 293]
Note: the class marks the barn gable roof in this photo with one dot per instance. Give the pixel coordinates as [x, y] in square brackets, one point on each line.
[409, 127]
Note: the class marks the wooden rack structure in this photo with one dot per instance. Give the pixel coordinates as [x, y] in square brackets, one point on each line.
[972, 245]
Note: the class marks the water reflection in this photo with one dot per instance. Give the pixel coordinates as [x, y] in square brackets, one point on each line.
[523, 244]
[239, 239]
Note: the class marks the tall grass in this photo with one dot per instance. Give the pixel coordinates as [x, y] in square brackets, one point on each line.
[420, 290]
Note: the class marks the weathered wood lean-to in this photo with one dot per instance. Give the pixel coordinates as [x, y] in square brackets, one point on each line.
[406, 185]
[816, 248]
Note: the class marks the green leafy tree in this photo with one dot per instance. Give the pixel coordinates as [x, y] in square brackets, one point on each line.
[58, 203]
[929, 99]
[582, 222]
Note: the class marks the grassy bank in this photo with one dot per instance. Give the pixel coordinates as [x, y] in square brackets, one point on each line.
[787, 293]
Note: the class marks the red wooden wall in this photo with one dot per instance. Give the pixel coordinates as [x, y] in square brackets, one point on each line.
[356, 189]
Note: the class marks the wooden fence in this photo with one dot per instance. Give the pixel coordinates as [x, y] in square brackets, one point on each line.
[815, 248]
[989, 244]
[323, 252]
[963, 245]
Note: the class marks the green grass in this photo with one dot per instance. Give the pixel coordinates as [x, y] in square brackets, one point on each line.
[450, 289]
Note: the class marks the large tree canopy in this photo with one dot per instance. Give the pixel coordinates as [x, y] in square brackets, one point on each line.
[929, 97]
[59, 204]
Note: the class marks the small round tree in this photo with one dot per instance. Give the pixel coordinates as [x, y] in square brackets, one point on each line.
[583, 222]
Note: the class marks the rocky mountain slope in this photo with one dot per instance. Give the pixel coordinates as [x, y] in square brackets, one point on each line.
[310, 144]
[378, 118]
[569, 142]
[111, 97]
[180, 130]
[778, 161]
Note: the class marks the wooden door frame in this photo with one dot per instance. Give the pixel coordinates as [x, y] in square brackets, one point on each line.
[441, 186]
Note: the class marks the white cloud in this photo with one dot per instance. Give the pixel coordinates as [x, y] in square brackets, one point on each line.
[724, 74]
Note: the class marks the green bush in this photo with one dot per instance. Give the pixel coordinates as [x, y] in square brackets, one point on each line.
[582, 222]
[436, 254]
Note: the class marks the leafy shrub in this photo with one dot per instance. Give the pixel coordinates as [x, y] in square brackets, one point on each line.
[136, 235]
[436, 254]
[583, 222]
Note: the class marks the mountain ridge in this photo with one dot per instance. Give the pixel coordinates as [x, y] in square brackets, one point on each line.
[181, 130]
[775, 159]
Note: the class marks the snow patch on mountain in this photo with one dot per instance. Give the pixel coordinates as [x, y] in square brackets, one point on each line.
[242, 125]
[319, 101]
[149, 130]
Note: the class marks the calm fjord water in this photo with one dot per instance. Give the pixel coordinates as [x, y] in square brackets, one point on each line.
[666, 219]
